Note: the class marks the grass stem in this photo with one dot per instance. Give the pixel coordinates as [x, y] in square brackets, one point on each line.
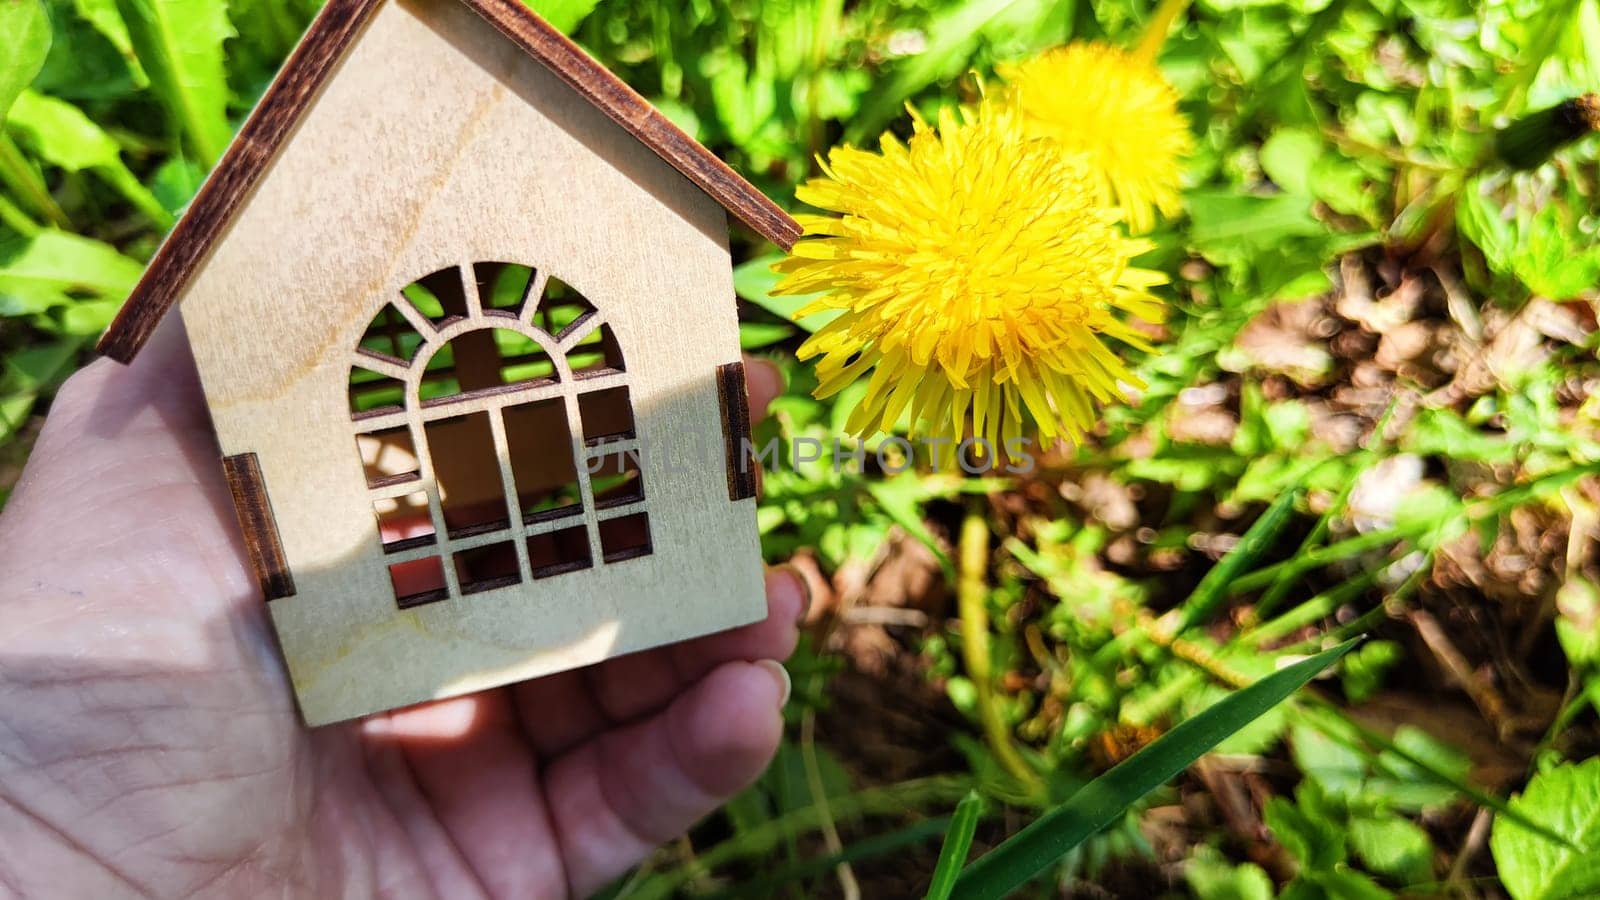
[972, 593]
[24, 180]
[14, 218]
[1155, 33]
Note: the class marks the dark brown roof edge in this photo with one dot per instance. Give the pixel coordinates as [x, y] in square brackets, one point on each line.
[257, 143]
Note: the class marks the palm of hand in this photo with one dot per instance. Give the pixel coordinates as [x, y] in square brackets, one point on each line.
[149, 742]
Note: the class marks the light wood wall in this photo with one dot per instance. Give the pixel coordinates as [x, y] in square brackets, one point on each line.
[437, 142]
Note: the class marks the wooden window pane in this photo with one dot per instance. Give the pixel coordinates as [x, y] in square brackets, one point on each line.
[388, 456]
[487, 568]
[404, 522]
[468, 473]
[606, 415]
[418, 582]
[540, 447]
[561, 551]
[625, 537]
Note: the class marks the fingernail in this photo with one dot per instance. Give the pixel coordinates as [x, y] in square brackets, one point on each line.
[780, 675]
[796, 583]
[763, 376]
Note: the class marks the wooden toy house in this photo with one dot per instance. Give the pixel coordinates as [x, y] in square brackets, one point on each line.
[463, 309]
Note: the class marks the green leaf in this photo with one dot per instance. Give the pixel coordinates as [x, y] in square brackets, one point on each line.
[14, 409]
[1364, 670]
[38, 368]
[1346, 187]
[60, 134]
[24, 43]
[104, 17]
[563, 15]
[903, 498]
[1211, 878]
[1254, 739]
[771, 882]
[179, 43]
[1337, 770]
[28, 373]
[1394, 846]
[755, 335]
[1566, 800]
[1481, 221]
[951, 35]
[1344, 884]
[957, 844]
[62, 261]
[1433, 513]
[176, 182]
[1287, 158]
[1307, 828]
[1104, 800]
[1230, 227]
[754, 281]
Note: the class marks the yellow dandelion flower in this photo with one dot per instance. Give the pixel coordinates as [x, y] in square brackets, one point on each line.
[978, 275]
[1117, 109]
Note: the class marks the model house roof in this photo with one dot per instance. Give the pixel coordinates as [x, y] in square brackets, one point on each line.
[297, 84]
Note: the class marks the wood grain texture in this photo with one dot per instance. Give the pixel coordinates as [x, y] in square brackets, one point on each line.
[281, 107]
[230, 184]
[734, 397]
[260, 529]
[501, 161]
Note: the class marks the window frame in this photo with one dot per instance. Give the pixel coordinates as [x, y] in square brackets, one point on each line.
[565, 384]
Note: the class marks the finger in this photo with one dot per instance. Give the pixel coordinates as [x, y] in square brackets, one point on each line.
[764, 383]
[436, 861]
[478, 775]
[631, 686]
[565, 709]
[617, 797]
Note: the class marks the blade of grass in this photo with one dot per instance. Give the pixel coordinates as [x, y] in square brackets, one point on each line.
[1211, 590]
[768, 885]
[1307, 612]
[1274, 596]
[889, 800]
[12, 216]
[1477, 511]
[819, 798]
[1317, 558]
[18, 174]
[957, 844]
[1033, 849]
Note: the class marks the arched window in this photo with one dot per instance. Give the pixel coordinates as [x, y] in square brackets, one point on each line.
[492, 415]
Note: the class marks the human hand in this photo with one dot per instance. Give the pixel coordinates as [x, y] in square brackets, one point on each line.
[149, 743]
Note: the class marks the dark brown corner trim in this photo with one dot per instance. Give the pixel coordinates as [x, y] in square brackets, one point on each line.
[260, 529]
[231, 182]
[221, 197]
[735, 401]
